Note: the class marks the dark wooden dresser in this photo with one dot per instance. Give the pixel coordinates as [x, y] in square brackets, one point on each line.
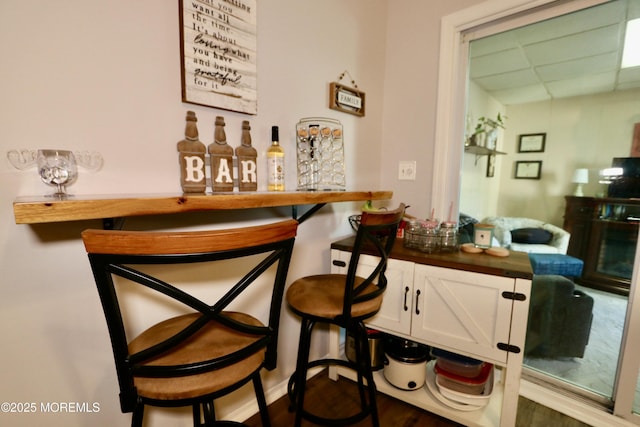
[604, 232]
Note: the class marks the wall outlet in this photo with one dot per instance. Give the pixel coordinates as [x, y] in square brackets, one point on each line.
[407, 170]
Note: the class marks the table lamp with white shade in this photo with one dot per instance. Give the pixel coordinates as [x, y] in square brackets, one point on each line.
[580, 176]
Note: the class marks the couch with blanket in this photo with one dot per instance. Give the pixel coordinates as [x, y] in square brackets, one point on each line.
[529, 235]
[560, 318]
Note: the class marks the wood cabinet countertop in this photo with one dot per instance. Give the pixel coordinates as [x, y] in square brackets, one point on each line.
[515, 265]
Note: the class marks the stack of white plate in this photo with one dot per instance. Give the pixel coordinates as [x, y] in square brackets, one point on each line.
[456, 399]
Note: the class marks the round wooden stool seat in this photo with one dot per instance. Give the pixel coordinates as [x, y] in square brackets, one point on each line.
[322, 296]
[212, 341]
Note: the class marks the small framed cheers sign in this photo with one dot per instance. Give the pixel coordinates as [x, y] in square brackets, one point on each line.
[218, 54]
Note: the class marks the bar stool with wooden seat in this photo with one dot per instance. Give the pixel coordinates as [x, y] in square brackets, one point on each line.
[345, 300]
[191, 351]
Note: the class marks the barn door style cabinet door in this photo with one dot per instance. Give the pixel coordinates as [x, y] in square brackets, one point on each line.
[463, 310]
[395, 313]
[479, 315]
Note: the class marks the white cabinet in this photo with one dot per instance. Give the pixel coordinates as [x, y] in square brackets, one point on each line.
[472, 313]
[395, 313]
[462, 310]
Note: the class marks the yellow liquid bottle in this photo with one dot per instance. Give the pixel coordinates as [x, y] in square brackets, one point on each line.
[275, 162]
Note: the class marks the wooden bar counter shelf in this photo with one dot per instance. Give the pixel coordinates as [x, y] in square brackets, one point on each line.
[35, 210]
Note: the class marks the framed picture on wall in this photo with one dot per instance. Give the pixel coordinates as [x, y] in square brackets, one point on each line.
[532, 143]
[491, 165]
[218, 54]
[528, 169]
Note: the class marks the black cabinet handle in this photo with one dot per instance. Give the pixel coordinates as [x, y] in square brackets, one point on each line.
[417, 303]
[406, 292]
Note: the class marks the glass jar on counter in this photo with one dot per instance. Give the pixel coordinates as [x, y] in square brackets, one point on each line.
[412, 234]
[422, 235]
[430, 241]
[448, 237]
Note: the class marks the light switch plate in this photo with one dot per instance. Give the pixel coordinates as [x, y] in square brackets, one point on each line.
[407, 170]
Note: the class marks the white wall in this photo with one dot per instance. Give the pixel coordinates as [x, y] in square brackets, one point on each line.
[479, 193]
[410, 90]
[582, 132]
[106, 77]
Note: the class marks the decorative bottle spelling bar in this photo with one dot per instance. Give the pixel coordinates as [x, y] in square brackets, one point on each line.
[192, 158]
[247, 161]
[320, 154]
[221, 159]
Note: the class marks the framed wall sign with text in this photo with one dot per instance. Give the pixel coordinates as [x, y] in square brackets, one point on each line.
[528, 169]
[218, 54]
[532, 143]
[346, 99]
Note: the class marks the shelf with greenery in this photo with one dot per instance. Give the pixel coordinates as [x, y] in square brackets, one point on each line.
[484, 138]
[481, 151]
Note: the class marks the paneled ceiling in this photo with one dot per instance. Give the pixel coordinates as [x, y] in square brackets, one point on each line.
[576, 54]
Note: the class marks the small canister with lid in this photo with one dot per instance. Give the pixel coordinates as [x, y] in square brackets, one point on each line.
[412, 234]
[430, 236]
[448, 236]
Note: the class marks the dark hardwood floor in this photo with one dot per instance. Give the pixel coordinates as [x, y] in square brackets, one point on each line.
[328, 397]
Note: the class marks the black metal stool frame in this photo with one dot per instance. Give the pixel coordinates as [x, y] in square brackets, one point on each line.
[125, 251]
[376, 231]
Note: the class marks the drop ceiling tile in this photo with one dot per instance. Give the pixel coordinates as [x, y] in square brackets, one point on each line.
[604, 82]
[574, 23]
[628, 78]
[578, 67]
[629, 85]
[561, 51]
[633, 10]
[595, 42]
[522, 95]
[492, 44]
[629, 74]
[498, 63]
[508, 80]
